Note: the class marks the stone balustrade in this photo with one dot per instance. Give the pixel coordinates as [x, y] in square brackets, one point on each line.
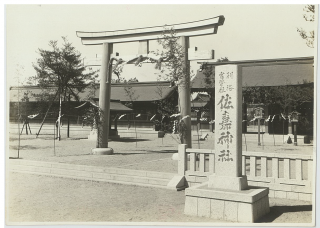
[286, 175]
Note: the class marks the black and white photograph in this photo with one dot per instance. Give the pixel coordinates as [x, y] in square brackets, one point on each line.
[160, 114]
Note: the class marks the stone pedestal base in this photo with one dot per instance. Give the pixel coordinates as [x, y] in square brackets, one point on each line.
[220, 204]
[226, 182]
[102, 151]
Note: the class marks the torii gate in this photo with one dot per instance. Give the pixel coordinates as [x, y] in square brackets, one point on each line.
[143, 35]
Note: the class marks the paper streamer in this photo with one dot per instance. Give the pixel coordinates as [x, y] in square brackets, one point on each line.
[153, 117]
[175, 115]
[185, 117]
[267, 120]
[122, 116]
[33, 116]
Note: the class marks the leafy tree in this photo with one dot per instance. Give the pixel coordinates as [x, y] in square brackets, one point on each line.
[92, 116]
[309, 37]
[62, 68]
[123, 80]
[287, 96]
[259, 95]
[166, 106]
[60, 74]
[209, 73]
[174, 69]
[173, 53]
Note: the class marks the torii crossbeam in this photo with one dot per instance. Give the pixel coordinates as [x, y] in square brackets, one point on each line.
[143, 35]
[195, 28]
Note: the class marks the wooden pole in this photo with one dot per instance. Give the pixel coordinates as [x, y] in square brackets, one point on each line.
[259, 143]
[198, 136]
[59, 122]
[54, 138]
[68, 128]
[274, 141]
[135, 128]
[18, 118]
[245, 140]
[295, 134]
[46, 114]
[283, 131]
[25, 123]
[29, 128]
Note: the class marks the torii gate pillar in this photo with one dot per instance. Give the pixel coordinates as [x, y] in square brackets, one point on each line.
[104, 101]
[184, 94]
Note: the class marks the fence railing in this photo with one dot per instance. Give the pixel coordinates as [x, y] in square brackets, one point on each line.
[278, 168]
[293, 171]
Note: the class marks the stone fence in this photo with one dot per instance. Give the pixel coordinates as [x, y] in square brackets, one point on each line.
[286, 175]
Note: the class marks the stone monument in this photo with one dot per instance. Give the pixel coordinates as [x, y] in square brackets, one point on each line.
[227, 196]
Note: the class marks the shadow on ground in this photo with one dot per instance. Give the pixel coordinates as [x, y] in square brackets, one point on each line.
[127, 153]
[161, 151]
[149, 151]
[129, 140]
[73, 155]
[26, 147]
[277, 211]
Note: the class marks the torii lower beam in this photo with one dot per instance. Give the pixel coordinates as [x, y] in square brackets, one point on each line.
[143, 35]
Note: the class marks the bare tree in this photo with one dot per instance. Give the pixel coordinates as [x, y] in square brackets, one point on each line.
[309, 16]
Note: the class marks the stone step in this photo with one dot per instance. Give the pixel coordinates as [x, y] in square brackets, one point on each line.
[95, 179]
[114, 170]
[114, 175]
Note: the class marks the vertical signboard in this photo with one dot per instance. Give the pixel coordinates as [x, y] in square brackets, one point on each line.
[228, 119]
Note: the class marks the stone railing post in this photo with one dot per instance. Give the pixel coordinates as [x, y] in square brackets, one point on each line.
[182, 160]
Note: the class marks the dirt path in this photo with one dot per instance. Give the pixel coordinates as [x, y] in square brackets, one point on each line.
[35, 198]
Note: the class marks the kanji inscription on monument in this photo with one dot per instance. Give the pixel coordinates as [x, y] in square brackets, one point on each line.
[228, 101]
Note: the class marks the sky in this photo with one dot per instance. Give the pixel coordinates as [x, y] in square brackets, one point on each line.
[249, 32]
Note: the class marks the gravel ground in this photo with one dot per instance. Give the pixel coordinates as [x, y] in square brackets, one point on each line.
[146, 152]
[149, 152]
[50, 199]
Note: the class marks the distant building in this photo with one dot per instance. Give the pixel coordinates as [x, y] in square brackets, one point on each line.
[144, 97]
[139, 96]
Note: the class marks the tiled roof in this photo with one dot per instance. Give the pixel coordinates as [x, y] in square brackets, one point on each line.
[115, 106]
[141, 91]
[137, 91]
